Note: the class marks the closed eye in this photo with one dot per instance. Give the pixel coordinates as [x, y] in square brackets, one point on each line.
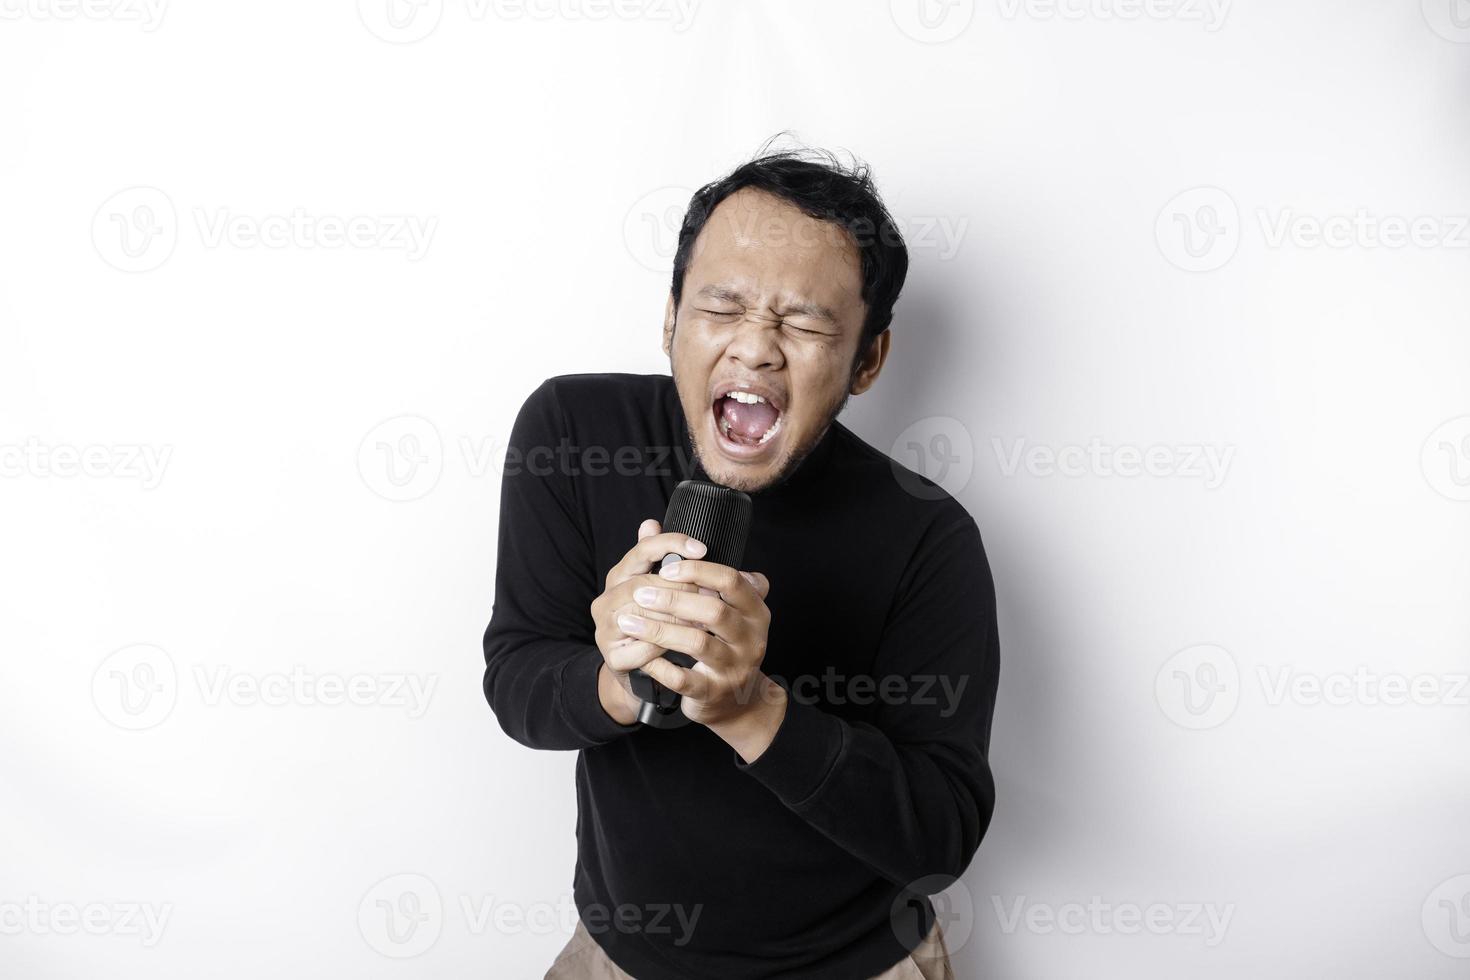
[814, 333]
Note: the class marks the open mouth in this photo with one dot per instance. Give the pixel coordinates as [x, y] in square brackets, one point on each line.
[747, 421]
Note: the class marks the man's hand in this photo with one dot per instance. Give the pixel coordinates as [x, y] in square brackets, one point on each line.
[621, 652]
[723, 624]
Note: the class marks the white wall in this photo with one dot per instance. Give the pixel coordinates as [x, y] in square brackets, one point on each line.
[1037, 155]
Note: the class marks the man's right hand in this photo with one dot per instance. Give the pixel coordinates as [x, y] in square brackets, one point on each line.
[622, 653]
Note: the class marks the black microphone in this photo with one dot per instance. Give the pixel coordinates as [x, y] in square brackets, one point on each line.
[720, 518]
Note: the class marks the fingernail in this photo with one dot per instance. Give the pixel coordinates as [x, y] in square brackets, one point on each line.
[671, 570]
[630, 624]
[748, 577]
[695, 549]
[645, 595]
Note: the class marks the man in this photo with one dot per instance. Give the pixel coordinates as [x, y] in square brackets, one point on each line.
[834, 773]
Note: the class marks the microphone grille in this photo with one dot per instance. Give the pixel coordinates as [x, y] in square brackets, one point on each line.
[716, 515]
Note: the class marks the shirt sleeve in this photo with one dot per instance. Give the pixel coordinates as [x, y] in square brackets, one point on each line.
[912, 794]
[541, 658]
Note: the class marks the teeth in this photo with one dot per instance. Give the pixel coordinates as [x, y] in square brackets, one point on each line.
[746, 397]
[771, 431]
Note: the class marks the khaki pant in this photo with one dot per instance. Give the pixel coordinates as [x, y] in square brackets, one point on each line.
[583, 959]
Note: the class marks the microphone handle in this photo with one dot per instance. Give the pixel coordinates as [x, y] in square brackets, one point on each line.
[660, 707]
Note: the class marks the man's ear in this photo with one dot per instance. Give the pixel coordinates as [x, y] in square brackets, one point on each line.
[871, 362]
[669, 326]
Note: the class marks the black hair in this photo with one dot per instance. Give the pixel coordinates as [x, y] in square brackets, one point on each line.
[821, 186]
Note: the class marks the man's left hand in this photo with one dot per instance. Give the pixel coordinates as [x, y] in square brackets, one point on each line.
[723, 627]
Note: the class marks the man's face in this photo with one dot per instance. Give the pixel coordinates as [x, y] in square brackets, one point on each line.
[763, 340]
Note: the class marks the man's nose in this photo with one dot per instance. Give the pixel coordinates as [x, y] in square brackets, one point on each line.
[756, 345]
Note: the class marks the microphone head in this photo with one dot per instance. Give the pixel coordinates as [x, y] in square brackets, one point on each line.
[715, 515]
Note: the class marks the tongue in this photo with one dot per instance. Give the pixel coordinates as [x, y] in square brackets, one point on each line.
[748, 422]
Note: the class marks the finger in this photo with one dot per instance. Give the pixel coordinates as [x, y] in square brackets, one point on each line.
[651, 549]
[685, 681]
[705, 608]
[729, 583]
[700, 645]
[759, 582]
[634, 609]
[631, 654]
[648, 529]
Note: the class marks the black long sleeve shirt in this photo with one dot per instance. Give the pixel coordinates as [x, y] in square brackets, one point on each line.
[810, 861]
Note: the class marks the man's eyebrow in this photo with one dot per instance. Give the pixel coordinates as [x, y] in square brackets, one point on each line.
[725, 293]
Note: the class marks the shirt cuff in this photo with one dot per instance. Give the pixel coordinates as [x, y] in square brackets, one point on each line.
[580, 704]
[803, 752]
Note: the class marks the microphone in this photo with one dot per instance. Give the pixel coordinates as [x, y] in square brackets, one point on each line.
[720, 518]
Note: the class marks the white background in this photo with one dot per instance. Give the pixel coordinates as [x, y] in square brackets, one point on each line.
[323, 419]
